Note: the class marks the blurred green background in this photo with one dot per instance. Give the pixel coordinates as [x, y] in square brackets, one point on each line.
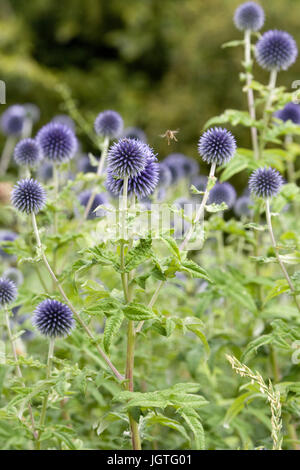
[158, 62]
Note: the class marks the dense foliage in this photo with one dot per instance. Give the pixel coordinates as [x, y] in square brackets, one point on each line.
[187, 334]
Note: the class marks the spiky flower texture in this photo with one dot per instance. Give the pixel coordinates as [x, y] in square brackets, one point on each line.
[250, 16]
[217, 145]
[128, 157]
[54, 319]
[109, 124]
[27, 153]
[28, 196]
[265, 182]
[8, 291]
[276, 50]
[58, 142]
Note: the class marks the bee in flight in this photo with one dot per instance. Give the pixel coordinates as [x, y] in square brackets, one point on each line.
[170, 135]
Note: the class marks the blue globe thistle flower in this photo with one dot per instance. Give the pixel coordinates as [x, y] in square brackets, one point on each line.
[58, 142]
[276, 50]
[28, 196]
[135, 133]
[84, 164]
[249, 15]
[12, 120]
[165, 175]
[291, 112]
[8, 291]
[100, 200]
[65, 120]
[217, 145]
[127, 157]
[190, 166]
[45, 171]
[200, 183]
[141, 185]
[175, 162]
[14, 275]
[265, 182]
[28, 153]
[6, 236]
[109, 124]
[242, 207]
[222, 192]
[32, 112]
[54, 319]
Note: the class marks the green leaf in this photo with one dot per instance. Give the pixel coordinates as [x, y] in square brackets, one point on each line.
[254, 345]
[193, 421]
[196, 328]
[138, 312]
[171, 243]
[237, 406]
[112, 326]
[195, 270]
[152, 419]
[138, 254]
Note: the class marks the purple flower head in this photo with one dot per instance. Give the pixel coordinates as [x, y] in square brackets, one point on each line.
[100, 200]
[65, 120]
[165, 175]
[291, 112]
[128, 157]
[109, 124]
[45, 171]
[58, 142]
[54, 319]
[142, 185]
[217, 145]
[180, 166]
[135, 133]
[28, 153]
[222, 192]
[276, 50]
[12, 120]
[265, 182]
[28, 196]
[200, 183]
[249, 15]
[6, 236]
[242, 207]
[8, 291]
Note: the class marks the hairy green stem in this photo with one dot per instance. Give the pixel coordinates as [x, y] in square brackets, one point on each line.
[266, 114]
[99, 173]
[64, 296]
[281, 264]
[250, 94]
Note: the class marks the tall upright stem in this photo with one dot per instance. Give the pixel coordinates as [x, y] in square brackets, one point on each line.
[55, 219]
[64, 296]
[6, 154]
[266, 115]
[99, 173]
[45, 401]
[281, 264]
[250, 94]
[18, 369]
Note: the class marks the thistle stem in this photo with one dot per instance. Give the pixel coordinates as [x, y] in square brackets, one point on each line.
[250, 94]
[99, 173]
[187, 237]
[45, 401]
[281, 264]
[266, 114]
[64, 296]
[19, 372]
[6, 154]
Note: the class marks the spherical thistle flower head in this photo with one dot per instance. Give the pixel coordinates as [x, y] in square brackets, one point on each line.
[14, 275]
[12, 120]
[100, 200]
[127, 157]
[135, 133]
[65, 120]
[8, 291]
[174, 162]
[217, 145]
[276, 50]
[141, 185]
[54, 319]
[249, 15]
[109, 124]
[28, 153]
[28, 196]
[265, 182]
[58, 142]
[6, 236]
[190, 166]
[291, 112]
[242, 207]
[165, 176]
[222, 192]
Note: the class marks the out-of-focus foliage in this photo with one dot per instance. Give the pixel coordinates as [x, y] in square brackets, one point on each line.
[159, 63]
